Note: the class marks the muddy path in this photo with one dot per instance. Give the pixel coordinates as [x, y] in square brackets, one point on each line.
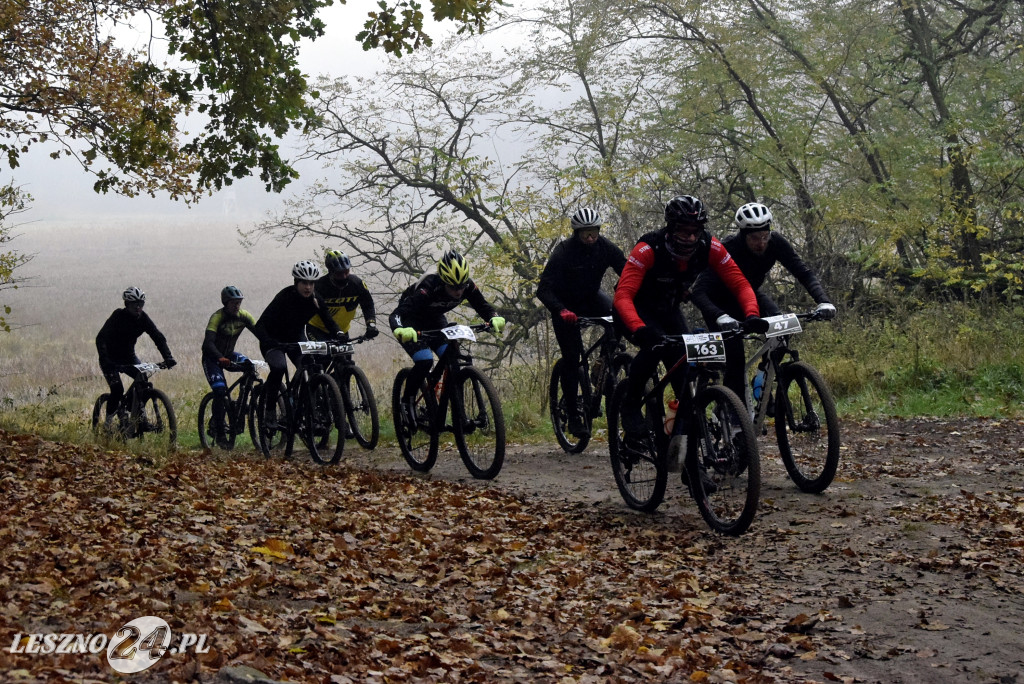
[910, 568]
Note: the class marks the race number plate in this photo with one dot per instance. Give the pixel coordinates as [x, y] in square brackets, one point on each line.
[786, 324]
[313, 347]
[459, 332]
[705, 348]
[345, 348]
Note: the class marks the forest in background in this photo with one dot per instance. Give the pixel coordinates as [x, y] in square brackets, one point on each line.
[885, 137]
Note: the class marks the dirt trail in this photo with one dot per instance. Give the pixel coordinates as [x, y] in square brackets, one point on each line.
[910, 567]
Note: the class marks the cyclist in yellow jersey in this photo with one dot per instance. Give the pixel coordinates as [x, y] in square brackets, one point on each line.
[225, 325]
[342, 292]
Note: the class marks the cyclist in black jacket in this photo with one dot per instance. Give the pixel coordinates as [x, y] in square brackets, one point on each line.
[423, 307]
[570, 286]
[219, 339]
[116, 340]
[343, 292]
[284, 322]
[756, 248]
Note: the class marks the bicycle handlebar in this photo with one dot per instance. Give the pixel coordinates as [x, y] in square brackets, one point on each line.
[477, 327]
[589, 321]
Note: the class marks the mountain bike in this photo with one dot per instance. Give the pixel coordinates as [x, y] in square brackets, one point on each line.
[477, 420]
[309, 407]
[806, 422]
[144, 410]
[360, 404]
[712, 440]
[602, 365]
[238, 409]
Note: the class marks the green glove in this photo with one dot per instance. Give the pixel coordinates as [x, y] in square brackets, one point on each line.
[498, 323]
[406, 334]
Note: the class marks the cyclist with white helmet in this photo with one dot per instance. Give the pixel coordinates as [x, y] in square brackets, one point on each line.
[343, 292]
[222, 332]
[284, 322]
[657, 279]
[570, 287]
[423, 306]
[756, 248]
[116, 340]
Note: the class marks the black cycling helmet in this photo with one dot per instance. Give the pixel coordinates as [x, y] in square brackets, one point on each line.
[685, 209]
[337, 261]
[586, 219]
[230, 292]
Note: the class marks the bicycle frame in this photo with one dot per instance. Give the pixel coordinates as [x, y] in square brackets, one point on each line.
[607, 345]
[696, 376]
[772, 352]
[342, 355]
[248, 379]
[453, 358]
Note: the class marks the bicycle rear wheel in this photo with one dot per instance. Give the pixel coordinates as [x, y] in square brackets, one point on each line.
[479, 424]
[806, 427]
[156, 416]
[639, 471]
[104, 425]
[417, 439]
[360, 407]
[569, 442]
[207, 432]
[270, 434]
[321, 420]
[722, 462]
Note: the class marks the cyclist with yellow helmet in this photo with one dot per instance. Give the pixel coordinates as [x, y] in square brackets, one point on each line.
[342, 291]
[423, 307]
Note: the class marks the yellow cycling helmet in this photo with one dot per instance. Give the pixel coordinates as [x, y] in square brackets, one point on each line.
[453, 268]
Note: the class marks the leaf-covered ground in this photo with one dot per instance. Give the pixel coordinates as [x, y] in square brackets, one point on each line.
[908, 569]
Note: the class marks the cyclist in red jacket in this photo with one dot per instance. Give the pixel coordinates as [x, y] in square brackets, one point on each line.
[656, 279]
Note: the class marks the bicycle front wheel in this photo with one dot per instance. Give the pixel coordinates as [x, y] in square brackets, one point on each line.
[722, 462]
[269, 431]
[360, 407]
[156, 416]
[639, 472]
[416, 434]
[807, 427]
[570, 443]
[321, 420]
[479, 424]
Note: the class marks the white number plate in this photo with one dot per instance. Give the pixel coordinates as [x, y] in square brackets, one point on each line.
[313, 347]
[705, 347]
[459, 332]
[786, 324]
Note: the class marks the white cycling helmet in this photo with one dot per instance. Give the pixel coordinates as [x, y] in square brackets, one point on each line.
[753, 217]
[306, 270]
[586, 219]
[133, 294]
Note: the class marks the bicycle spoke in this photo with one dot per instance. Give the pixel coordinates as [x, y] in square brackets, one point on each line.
[480, 424]
[807, 428]
[723, 469]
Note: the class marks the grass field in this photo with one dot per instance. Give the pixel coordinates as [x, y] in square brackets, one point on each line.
[75, 281]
